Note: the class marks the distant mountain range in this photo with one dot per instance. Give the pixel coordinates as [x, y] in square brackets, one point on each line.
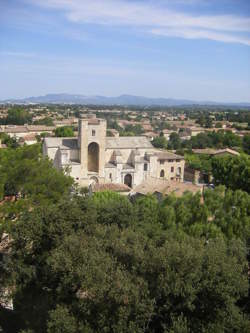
[120, 100]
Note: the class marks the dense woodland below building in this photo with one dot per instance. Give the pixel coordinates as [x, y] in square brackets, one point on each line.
[103, 263]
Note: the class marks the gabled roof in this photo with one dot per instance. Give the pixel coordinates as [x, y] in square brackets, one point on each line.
[128, 142]
[110, 187]
[165, 187]
[210, 151]
[65, 143]
[166, 155]
[15, 129]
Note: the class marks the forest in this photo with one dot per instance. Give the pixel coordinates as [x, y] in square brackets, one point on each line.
[80, 263]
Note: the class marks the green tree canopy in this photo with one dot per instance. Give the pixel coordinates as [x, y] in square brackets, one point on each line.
[78, 275]
[47, 121]
[160, 142]
[234, 172]
[64, 131]
[18, 116]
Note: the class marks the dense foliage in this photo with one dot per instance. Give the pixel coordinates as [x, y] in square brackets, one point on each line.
[218, 140]
[25, 174]
[47, 121]
[104, 263]
[160, 142]
[234, 172]
[64, 131]
[202, 162]
[8, 141]
[17, 116]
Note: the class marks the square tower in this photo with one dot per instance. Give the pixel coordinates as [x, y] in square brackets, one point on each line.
[92, 144]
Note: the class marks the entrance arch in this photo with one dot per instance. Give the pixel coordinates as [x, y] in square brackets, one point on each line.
[93, 157]
[128, 180]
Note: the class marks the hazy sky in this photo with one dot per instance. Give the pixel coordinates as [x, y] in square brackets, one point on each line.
[192, 49]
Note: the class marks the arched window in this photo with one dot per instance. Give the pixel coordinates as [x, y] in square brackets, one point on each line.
[162, 173]
[128, 180]
[93, 157]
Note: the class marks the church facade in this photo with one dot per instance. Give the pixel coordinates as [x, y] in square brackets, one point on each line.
[94, 157]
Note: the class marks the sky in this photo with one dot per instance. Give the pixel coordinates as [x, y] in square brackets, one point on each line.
[183, 49]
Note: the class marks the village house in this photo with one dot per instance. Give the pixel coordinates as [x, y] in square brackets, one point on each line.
[66, 122]
[150, 135]
[196, 130]
[22, 131]
[92, 157]
[167, 133]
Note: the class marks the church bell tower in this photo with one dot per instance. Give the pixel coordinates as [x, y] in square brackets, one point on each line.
[92, 144]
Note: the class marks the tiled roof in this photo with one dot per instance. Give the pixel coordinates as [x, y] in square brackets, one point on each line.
[16, 129]
[29, 137]
[27, 129]
[128, 142]
[166, 187]
[110, 187]
[166, 155]
[40, 128]
[210, 151]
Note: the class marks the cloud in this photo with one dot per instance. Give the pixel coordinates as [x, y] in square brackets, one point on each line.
[17, 54]
[153, 17]
[201, 34]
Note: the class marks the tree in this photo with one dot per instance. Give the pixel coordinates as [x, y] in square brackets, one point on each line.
[246, 144]
[174, 141]
[199, 162]
[112, 208]
[159, 142]
[18, 116]
[103, 264]
[26, 174]
[64, 131]
[234, 172]
[8, 141]
[136, 129]
[208, 122]
[47, 121]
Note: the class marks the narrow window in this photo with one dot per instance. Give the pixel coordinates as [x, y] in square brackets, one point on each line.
[172, 169]
[93, 132]
[110, 176]
[145, 167]
[161, 161]
[162, 173]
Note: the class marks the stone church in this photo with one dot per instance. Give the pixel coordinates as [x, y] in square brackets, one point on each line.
[94, 157]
